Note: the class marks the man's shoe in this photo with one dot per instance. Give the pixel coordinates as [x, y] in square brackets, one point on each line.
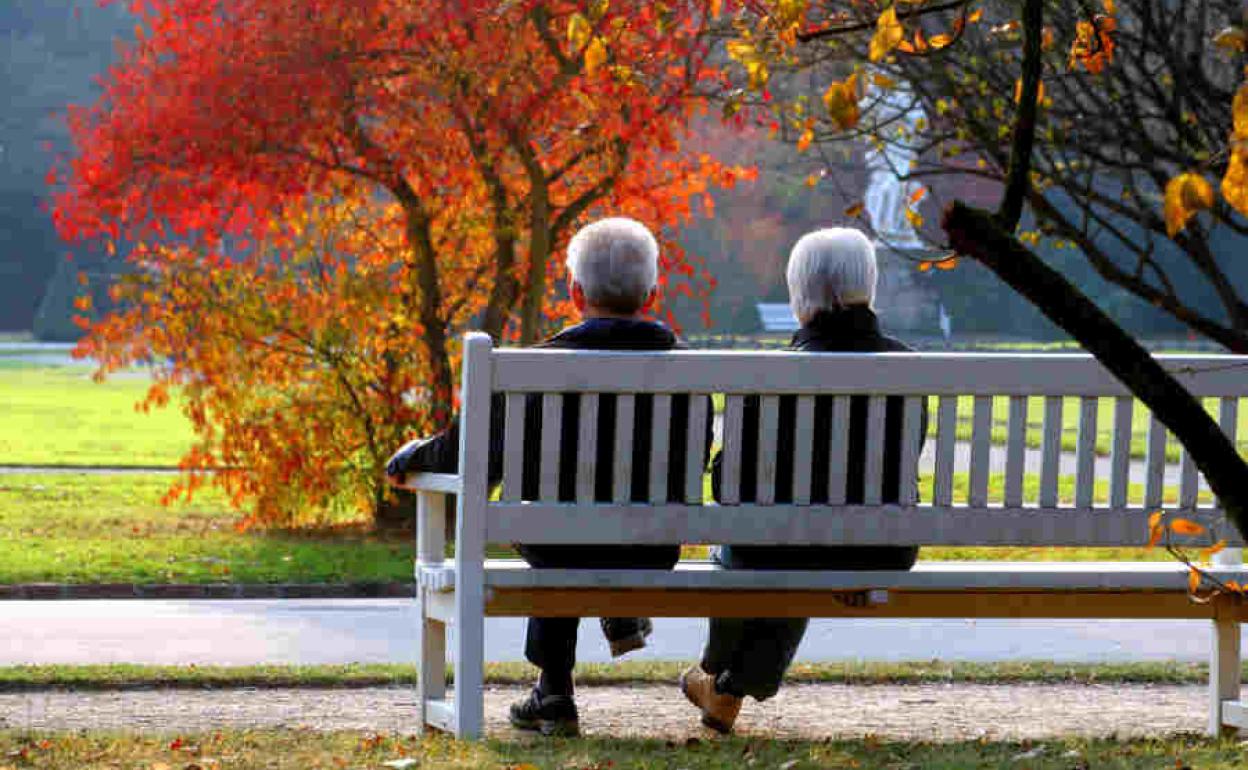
[719, 711]
[634, 641]
[548, 714]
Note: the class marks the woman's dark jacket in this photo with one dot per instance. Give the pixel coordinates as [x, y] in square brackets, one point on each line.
[854, 329]
[440, 454]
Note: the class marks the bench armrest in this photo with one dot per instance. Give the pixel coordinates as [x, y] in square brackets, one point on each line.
[447, 483]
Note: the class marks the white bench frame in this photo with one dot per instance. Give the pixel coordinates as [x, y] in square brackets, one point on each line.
[463, 591]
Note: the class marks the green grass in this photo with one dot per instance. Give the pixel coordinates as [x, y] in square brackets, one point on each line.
[101, 529]
[129, 676]
[305, 749]
[58, 416]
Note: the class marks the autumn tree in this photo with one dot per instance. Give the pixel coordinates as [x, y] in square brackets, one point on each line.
[317, 197]
[1001, 127]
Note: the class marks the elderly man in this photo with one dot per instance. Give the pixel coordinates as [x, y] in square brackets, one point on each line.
[831, 276]
[612, 280]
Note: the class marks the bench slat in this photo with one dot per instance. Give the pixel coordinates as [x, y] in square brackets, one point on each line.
[622, 475]
[660, 434]
[1085, 453]
[513, 447]
[1120, 455]
[873, 476]
[803, 448]
[1155, 470]
[911, 425]
[916, 374]
[552, 423]
[587, 447]
[946, 436]
[768, 429]
[1015, 451]
[838, 454]
[730, 467]
[1228, 418]
[695, 446]
[981, 443]
[1051, 451]
[827, 525]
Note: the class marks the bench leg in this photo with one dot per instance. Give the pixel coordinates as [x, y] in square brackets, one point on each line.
[469, 656]
[431, 671]
[1224, 670]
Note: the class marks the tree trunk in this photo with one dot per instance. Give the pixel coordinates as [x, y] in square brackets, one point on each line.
[976, 233]
[539, 254]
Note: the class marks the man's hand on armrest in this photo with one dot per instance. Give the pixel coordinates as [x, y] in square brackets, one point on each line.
[405, 460]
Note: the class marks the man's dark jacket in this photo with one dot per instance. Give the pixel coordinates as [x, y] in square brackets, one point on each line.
[440, 454]
[854, 329]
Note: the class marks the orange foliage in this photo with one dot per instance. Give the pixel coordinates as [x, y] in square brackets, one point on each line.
[325, 194]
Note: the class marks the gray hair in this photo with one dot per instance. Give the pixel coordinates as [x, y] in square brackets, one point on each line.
[616, 263]
[829, 269]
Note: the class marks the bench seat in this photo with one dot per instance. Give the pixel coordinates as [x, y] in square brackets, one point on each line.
[931, 589]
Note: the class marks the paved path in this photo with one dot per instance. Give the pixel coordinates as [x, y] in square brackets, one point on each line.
[312, 631]
[909, 712]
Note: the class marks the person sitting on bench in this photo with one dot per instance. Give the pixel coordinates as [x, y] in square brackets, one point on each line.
[831, 276]
[612, 280]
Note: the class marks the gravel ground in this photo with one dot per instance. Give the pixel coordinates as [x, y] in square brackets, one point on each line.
[911, 712]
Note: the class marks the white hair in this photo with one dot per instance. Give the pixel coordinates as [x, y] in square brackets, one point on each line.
[616, 263]
[829, 269]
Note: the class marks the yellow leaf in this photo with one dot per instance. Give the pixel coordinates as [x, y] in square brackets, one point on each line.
[803, 142]
[1154, 520]
[925, 266]
[812, 180]
[1235, 183]
[595, 55]
[579, 31]
[917, 195]
[940, 41]
[1109, 7]
[717, 7]
[976, 15]
[1154, 535]
[914, 218]
[948, 263]
[855, 210]
[841, 102]
[1186, 194]
[1239, 113]
[598, 9]
[883, 81]
[1233, 585]
[1193, 580]
[1232, 39]
[888, 34]
[1186, 527]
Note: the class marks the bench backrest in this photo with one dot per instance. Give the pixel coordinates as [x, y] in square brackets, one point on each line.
[1104, 507]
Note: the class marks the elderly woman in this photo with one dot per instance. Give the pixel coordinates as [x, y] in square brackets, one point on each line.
[831, 277]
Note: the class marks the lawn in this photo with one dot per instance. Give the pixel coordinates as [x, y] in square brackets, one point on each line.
[101, 529]
[304, 749]
[58, 416]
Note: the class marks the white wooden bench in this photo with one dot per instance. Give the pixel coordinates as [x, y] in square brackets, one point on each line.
[462, 591]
